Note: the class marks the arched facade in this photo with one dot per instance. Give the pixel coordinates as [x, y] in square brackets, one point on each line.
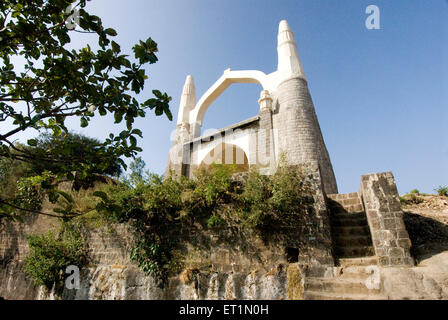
[286, 123]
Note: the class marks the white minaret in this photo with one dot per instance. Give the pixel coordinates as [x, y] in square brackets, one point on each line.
[289, 64]
[187, 101]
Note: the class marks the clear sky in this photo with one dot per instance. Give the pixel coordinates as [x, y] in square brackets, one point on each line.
[381, 96]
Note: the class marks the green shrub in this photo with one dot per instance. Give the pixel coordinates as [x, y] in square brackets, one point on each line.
[404, 201]
[212, 187]
[51, 254]
[153, 256]
[29, 194]
[254, 208]
[10, 172]
[442, 191]
[291, 191]
[267, 198]
[411, 198]
[162, 199]
[214, 221]
[414, 191]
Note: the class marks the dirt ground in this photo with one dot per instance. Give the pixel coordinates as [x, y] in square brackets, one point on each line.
[426, 219]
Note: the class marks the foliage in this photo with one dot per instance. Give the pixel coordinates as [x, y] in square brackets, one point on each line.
[51, 254]
[29, 194]
[414, 191]
[214, 221]
[55, 83]
[411, 198]
[10, 172]
[442, 191]
[403, 200]
[159, 208]
[266, 199]
[153, 255]
[137, 175]
[72, 145]
[212, 188]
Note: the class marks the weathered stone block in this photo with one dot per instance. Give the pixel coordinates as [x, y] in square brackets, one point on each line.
[389, 224]
[396, 252]
[404, 243]
[381, 252]
[384, 261]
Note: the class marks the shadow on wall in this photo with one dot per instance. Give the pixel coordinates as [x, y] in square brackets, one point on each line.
[428, 236]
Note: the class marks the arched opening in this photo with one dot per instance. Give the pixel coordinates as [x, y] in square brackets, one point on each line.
[227, 154]
[239, 102]
[229, 77]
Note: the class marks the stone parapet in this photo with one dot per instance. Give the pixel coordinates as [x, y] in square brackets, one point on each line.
[385, 217]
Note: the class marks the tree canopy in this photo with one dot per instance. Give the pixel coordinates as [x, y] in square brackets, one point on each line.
[72, 145]
[54, 83]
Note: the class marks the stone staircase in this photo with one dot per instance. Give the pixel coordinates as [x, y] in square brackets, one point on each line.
[354, 278]
[349, 227]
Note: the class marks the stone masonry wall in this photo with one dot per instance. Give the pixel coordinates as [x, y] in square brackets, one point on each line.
[229, 262]
[382, 204]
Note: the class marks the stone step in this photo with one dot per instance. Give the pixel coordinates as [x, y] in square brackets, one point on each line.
[311, 295]
[344, 203]
[353, 252]
[364, 261]
[348, 215]
[342, 196]
[359, 273]
[353, 241]
[347, 208]
[351, 230]
[349, 222]
[339, 285]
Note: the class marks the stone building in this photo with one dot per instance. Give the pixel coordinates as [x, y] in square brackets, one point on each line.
[286, 123]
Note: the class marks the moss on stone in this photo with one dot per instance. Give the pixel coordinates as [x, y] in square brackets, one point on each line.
[295, 282]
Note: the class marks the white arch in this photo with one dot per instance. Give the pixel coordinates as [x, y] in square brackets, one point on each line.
[240, 139]
[229, 153]
[229, 77]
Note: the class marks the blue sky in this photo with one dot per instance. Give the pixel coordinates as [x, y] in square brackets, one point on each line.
[381, 96]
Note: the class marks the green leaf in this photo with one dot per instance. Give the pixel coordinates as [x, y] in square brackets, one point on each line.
[118, 116]
[32, 142]
[157, 93]
[102, 195]
[111, 32]
[66, 196]
[84, 122]
[115, 47]
[137, 132]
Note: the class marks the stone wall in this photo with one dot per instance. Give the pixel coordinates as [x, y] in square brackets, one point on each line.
[382, 204]
[227, 262]
[227, 265]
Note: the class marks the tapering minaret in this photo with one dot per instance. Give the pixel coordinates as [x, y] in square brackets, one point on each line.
[300, 136]
[187, 101]
[182, 134]
[289, 63]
